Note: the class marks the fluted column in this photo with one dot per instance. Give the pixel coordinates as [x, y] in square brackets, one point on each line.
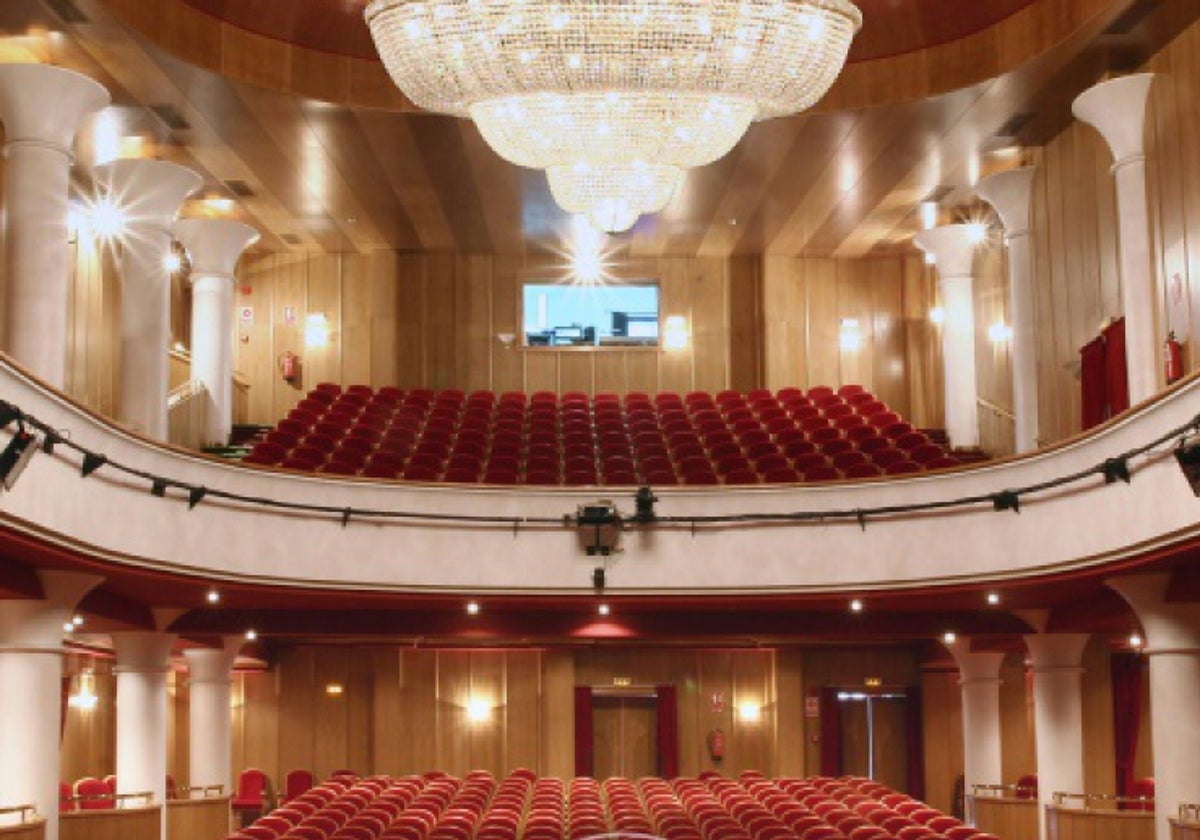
[1172, 632]
[953, 248]
[1011, 194]
[1117, 109]
[979, 678]
[210, 676]
[30, 703]
[214, 245]
[149, 192]
[41, 108]
[1057, 663]
[143, 663]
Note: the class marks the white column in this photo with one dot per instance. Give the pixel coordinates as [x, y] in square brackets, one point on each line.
[210, 676]
[1172, 632]
[149, 192]
[30, 704]
[1056, 660]
[1117, 109]
[143, 663]
[979, 677]
[953, 247]
[41, 108]
[1011, 194]
[214, 245]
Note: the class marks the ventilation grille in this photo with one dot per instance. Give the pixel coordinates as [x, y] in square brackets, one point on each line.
[239, 188]
[67, 11]
[171, 117]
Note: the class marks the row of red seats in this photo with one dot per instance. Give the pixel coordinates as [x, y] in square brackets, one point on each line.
[697, 439]
[753, 807]
[95, 794]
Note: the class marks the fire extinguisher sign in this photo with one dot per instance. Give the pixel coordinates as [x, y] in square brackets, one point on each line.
[246, 314]
[718, 701]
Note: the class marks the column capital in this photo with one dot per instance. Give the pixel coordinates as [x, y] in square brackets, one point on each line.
[37, 624]
[214, 245]
[143, 651]
[975, 666]
[149, 192]
[1117, 109]
[1170, 627]
[1056, 652]
[213, 665]
[1011, 194]
[953, 249]
[40, 103]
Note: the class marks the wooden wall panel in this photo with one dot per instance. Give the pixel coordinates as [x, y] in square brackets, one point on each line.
[89, 739]
[1099, 756]
[1019, 756]
[942, 720]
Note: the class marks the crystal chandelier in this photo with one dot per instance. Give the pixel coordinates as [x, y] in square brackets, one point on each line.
[615, 99]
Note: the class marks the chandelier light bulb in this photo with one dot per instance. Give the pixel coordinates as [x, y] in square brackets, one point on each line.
[609, 87]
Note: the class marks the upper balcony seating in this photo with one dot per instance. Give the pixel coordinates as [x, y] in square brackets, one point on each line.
[575, 440]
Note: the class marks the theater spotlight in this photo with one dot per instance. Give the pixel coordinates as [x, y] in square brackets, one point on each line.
[8, 413]
[598, 578]
[1188, 456]
[1115, 469]
[645, 500]
[91, 463]
[195, 495]
[158, 487]
[16, 455]
[599, 528]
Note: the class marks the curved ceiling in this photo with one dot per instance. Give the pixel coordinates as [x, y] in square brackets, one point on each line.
[890, 27]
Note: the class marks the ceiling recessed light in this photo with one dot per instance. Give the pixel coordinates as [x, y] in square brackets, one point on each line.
[213, 596]
[77, 620]
[472, 608]
[993, 598]
[251, 635]
[856, 606]
[949, 637]
[603, 609]
[1135, 640]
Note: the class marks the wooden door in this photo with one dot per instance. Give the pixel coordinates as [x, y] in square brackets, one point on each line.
[624, 737]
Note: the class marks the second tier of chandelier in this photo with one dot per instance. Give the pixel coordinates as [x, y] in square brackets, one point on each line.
[614, 99]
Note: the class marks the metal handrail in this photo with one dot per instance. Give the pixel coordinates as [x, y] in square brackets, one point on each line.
[1060, 797]
[184, 391]
[27, 812]
[1000, 790]
[1189, 812]
[996, 409]
[206, 791]
[119, 799]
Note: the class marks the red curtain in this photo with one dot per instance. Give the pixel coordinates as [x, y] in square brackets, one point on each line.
[914, 737]
[1127, 670]
[668, 731]
[583, 730]
[1094, 379]
[1117, 370]
[831, 733]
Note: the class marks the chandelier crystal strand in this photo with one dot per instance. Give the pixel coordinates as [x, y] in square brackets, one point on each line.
[610, 83]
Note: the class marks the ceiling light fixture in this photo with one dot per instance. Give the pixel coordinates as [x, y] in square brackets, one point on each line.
[213, 596]
[856, 605]
[472, 608]
[949, 637]
[614, 101]
[993, 598]
[603, 609]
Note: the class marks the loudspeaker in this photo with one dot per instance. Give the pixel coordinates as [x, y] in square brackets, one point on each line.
[598, 578]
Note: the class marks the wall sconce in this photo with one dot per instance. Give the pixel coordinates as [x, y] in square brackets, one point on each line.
[749, 712]
[85, 695]
[334, 689]
[478, 710]
[937, 316]
[507, 339]
[316, 330]
[849, 336]
[675, 333]
[999, 332]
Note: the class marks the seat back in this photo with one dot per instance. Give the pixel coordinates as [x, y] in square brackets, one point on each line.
[297, 782]
[97, 795]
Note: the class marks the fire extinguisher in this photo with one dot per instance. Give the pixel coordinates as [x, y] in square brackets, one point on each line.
[1173, 358]
[716, 744]
[289, 366]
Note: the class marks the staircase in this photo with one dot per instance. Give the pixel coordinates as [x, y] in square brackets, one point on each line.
[966, 455]
[241, 440]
